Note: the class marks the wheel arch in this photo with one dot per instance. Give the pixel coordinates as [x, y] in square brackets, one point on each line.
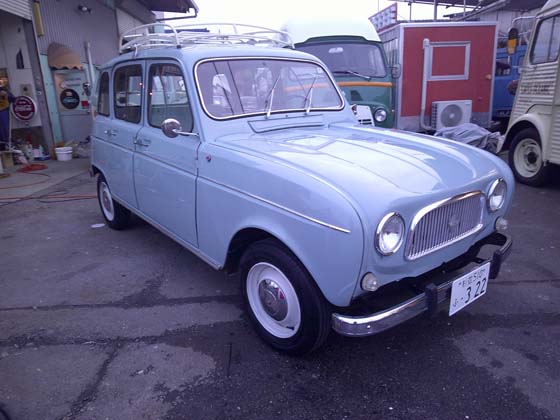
[242, 240]
[529, 120]
[95, 171]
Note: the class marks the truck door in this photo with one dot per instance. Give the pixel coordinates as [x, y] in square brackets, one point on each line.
[165, 168]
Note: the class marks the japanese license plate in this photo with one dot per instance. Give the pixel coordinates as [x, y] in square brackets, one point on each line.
[468, 288]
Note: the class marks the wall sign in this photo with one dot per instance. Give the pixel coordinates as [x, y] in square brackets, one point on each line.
[69, 98]
[24, 108]
[71, 95]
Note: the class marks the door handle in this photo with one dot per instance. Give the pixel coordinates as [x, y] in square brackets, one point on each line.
[110, 133]
[142, 142]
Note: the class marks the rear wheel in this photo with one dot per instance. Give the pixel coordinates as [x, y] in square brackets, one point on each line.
[116, 216]
[526, 158]
[288, 311]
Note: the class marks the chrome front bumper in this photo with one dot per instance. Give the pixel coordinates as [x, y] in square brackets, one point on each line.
[428, 301]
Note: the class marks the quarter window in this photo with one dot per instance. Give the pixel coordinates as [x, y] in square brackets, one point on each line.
[128, 93]
[103, 95]
[547, 41]
[167, 96]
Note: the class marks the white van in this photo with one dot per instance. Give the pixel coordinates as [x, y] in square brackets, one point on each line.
[533, 134]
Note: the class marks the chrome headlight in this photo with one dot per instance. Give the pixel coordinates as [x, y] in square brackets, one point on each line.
[497, 195]
[390, 233]
[380, 115]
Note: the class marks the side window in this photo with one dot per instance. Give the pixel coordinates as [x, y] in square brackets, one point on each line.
[547, 41]
[167, 96]
[103, 95]
[127, 88]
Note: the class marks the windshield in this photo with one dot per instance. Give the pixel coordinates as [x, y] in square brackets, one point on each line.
[238, 87]
[362, 58]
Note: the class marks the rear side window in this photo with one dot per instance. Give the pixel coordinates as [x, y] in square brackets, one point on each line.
[103, 95]
[127, 88]
[547, 41]
[167, 96]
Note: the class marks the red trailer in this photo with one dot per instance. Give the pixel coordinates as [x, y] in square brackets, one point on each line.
[447, 73]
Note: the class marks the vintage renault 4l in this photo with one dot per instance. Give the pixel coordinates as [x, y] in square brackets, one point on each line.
[248, 155]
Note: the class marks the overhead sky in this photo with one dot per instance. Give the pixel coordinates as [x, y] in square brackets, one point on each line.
[272, 13]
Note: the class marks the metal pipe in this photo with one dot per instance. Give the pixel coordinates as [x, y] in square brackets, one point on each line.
[425, 68]
[91, 76]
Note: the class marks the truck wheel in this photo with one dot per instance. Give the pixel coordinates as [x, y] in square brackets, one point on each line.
[526, 158]
[116, 216]
[288, 310]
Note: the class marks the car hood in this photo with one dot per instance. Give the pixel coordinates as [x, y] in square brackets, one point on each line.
[362, 160]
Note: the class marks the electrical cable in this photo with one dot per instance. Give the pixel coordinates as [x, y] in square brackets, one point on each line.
[46, 176]
[58, 196]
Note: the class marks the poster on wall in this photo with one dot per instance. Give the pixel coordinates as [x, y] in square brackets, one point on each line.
[71, 96]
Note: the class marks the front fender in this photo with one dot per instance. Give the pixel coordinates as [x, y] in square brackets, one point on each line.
[236, 191]
[539, 117]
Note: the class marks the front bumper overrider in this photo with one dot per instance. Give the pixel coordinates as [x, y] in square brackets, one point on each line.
[434, 292]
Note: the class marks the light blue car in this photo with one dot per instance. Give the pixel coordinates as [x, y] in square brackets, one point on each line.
[249, 156]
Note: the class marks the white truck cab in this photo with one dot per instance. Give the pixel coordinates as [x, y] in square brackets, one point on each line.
[533, 134]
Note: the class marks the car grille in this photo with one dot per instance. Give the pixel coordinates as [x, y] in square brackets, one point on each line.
[444, 223]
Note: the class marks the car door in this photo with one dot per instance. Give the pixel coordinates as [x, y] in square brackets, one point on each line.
[165, 168]
[125, 125]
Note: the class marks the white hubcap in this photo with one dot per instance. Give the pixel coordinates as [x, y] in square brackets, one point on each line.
[528, 158]
[106, 201]
[273, 300]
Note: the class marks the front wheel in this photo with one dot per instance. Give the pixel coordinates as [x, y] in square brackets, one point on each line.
[526, 158]
[289, 312]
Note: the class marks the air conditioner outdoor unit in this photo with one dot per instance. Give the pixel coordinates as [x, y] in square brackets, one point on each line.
[450, 113]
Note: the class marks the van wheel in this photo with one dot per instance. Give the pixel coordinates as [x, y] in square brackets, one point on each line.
[526, 158]
[289, 312]
[116, 216]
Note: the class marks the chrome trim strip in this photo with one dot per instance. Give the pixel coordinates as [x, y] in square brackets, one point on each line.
[433, 206]
[279, 206]
[278, 111]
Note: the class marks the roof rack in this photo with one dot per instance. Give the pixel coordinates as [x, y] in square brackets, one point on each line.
[158, 35]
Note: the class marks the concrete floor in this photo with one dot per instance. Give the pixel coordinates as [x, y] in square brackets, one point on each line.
[99, 324]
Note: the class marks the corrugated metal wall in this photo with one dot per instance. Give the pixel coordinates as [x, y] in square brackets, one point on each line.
[126, 21]
[20, 8]
[66, 25]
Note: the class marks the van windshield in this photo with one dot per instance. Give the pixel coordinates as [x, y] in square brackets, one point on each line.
[238, 87]
[350, 57]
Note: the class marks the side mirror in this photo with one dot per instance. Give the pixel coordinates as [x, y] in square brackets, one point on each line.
[396, 71]
[171, 127]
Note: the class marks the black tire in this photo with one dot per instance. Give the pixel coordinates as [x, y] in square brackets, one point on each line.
[524, 159]
[315, 311]
[119, 217]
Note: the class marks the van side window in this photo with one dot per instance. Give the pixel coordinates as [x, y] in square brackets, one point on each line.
[547, 41]
[103, 95]
[167, 96]
[127, 88]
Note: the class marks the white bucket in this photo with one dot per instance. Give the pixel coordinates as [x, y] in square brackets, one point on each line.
[63, 153]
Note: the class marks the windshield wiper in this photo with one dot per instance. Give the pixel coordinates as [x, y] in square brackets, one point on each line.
[309, 96]
[368, 78]
[270, 97]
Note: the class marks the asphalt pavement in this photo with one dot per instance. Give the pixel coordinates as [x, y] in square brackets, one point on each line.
[100, 324]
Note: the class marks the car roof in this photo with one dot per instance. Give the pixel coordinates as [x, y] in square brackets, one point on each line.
[190, 55]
